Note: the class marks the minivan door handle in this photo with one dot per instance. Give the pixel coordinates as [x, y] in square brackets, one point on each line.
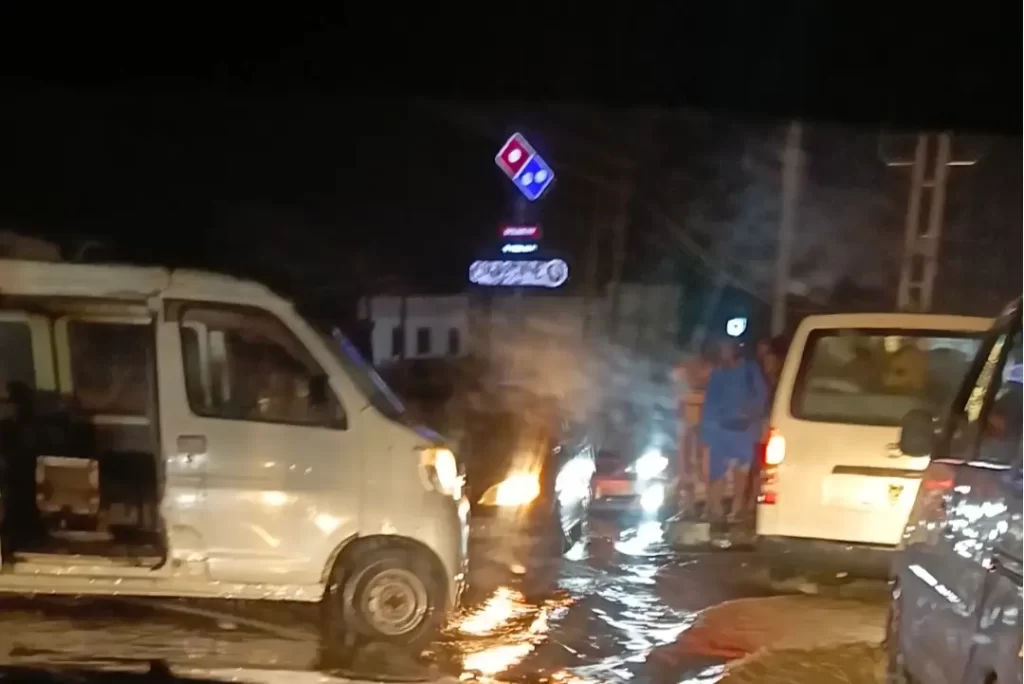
[190, 446]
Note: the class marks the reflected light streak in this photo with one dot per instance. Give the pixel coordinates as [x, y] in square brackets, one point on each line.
[504, 606]
[645, 541]
[498, 617]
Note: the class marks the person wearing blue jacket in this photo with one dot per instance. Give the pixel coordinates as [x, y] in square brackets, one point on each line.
[735, 406]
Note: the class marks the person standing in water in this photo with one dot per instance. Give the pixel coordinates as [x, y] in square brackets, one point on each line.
[735, 404]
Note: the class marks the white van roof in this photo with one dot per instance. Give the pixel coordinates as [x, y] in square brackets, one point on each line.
[119, 281]
[896, 320]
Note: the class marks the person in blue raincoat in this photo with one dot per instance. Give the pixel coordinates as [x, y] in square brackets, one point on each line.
[735, 405]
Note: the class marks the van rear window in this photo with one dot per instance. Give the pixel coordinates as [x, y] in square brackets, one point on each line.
[874, 377]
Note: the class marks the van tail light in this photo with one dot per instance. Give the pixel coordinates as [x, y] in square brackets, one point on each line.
[773, 452]
[774, 448]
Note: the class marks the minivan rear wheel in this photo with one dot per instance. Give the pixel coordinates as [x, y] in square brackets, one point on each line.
[384, 595]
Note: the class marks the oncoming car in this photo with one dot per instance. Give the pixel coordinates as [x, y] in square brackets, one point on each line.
[643, 485]
[528, 480]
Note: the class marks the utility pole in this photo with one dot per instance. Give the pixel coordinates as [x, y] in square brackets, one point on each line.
[919, 266]
[593, 225]
[620, 227]
[792, 171]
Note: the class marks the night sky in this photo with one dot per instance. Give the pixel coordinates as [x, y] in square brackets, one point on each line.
[171, 178]
[335, 196]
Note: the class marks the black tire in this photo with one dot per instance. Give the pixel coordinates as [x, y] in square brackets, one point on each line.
[388, 595]
[895, 670]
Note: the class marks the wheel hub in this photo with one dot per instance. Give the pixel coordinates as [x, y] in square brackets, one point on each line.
[395, 601]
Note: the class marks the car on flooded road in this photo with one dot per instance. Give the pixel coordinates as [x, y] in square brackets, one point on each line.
[528, 480]
[175, 434]
[636, 467]
[955, 613]
[643, 485]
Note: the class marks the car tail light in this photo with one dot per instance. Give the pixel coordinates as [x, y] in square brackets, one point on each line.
[773, 453]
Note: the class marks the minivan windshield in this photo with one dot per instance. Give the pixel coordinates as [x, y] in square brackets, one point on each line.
[364, 376]
[874, 377]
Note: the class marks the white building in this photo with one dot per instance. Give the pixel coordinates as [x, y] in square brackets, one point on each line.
[417, 327]
[559, 343]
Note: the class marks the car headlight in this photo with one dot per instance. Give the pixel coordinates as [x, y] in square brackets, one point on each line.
[652, 498]
[442, 471]
[651, 464]
[515, 490]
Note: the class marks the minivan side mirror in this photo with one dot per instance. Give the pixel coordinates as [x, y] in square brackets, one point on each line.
[917, 433]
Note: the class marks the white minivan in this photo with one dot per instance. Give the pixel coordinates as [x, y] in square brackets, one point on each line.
[170, 433]
[835, 489]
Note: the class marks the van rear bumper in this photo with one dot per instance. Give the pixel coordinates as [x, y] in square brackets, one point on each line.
[799, 555]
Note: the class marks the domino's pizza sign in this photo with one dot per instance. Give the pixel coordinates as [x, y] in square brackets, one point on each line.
[524, 167]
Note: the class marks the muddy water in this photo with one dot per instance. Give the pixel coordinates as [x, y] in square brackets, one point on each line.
[595, 616]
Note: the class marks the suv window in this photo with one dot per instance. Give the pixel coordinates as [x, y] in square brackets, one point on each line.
[257, 369]
[1001, 435]
[16, 361]
[982, 423]
[110, 367]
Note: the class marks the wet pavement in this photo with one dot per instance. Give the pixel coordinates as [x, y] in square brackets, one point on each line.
[603, 614]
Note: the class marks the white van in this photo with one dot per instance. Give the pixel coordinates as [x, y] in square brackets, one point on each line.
[835, 488]
[218, 447]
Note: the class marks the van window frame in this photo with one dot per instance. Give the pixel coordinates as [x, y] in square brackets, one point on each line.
[175, 311]
[803, 368]
[44, 367]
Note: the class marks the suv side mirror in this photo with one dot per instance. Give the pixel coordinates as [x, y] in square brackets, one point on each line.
[917, 433]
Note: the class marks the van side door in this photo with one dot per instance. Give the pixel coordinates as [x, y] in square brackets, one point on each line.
[247, 401]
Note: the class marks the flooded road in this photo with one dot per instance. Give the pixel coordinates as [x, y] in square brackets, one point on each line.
[606, 613]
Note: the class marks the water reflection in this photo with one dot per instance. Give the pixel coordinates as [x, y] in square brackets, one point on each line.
[503, 631]
[616, 610]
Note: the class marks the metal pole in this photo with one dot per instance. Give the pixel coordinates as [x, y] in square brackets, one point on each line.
[936, 213]
[905, 298]
[791, 174]
[593, 224]
[619, 240]
[920, 263]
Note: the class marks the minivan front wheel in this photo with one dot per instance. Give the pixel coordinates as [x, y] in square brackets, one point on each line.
[384, 595]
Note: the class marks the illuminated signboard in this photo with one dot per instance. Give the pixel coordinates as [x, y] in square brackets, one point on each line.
[524, 167]
[518, 248]
[505, 273]
[520, 232]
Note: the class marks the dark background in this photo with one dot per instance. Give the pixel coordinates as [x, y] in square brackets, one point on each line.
[333, 157]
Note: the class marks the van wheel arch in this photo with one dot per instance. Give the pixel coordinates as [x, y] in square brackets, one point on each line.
[353, 547]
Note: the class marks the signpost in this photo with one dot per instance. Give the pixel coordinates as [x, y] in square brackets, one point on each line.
[524, 167]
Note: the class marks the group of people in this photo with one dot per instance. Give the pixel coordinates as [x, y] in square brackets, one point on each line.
[737, 398]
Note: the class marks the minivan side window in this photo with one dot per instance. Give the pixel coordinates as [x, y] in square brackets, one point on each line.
[257, 369]
[110, 366]
[16, 360]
